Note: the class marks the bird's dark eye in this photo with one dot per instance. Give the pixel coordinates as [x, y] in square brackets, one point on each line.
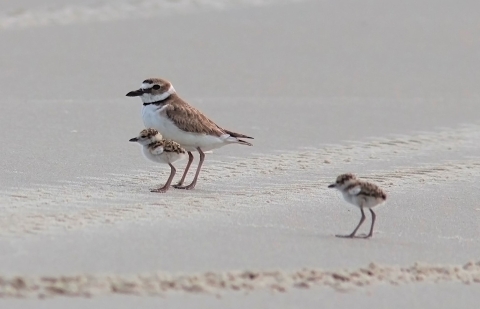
[143, 136]
[156, 87]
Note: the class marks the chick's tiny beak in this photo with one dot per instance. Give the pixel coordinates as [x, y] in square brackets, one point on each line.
[135, 93]
[135, 139]
[332, 185]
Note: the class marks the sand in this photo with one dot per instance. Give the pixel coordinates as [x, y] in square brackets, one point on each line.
[384, 89]
[247, 281]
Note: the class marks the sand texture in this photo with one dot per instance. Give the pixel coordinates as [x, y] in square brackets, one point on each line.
[247, 281]
[384, 89]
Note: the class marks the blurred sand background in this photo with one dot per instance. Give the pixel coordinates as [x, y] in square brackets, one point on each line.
[386, 89]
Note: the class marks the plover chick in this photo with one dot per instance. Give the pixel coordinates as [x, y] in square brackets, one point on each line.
[160, 150]
[362, 194]
[165, 111]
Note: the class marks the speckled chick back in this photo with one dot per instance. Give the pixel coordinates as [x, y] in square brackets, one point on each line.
[168, 146]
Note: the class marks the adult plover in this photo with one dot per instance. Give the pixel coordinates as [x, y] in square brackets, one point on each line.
[160, 150]
[177, 120]
[362, 194]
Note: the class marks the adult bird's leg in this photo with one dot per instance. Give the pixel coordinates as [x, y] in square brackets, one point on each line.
[200, 163]
[190, 160]
[169, 181]
[355, 230]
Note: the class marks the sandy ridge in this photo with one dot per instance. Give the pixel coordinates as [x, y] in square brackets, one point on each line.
[379, 149]
[160, 284]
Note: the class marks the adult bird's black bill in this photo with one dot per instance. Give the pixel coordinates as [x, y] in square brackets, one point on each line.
[135, 93]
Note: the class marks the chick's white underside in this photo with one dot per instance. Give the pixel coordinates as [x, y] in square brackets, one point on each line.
[160, 156]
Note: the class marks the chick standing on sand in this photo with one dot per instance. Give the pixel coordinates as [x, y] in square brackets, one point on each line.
[160, 150]
[362, 194]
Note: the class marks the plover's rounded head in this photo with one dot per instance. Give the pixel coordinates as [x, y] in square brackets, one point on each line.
[147, 136]
[343, 180]
[153, 90]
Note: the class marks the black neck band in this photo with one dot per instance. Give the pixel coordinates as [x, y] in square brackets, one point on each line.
[156, 102]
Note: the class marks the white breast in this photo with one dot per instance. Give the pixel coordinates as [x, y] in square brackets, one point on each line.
[350, 198]
[152, 118]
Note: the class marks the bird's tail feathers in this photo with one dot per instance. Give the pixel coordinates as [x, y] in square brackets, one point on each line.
[242, 142]
[238, 135]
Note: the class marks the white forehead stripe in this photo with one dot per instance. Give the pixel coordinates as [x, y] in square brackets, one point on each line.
[146, 86]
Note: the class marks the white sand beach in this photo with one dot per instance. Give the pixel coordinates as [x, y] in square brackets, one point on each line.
[388, 90]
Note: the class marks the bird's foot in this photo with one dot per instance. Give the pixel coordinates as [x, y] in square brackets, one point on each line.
[189, 187]
[345, 236]
[160, 190]
[364, 236]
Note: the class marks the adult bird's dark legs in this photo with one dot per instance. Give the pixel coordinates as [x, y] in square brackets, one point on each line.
[200, 163]
[190, 160]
